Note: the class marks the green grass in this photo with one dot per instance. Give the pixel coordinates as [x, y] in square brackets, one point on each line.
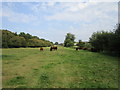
[64, 68]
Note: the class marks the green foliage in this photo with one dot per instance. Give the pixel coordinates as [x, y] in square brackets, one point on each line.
[6, 36]
[80, 43]
[26, 36]
[117, 34]
[56, 43]
[17, 41]
[107, 41]
[69, 40]
[99, 40]
[88, 45]
[10, 40]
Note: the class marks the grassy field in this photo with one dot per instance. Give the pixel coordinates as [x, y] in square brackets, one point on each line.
[64, 68]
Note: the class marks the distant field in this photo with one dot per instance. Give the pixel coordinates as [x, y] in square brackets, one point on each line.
[64, 68]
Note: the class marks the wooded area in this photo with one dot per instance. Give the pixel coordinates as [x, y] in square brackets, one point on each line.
[107, 41]
[14, 40]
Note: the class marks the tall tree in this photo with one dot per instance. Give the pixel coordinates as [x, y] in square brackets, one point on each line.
[6, 36]
[69, 40]
[56, 43]
[99, 40]
[115, 41]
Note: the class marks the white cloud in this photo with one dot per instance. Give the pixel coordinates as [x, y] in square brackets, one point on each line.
[100, 16]
[17, 17]
[42, 6]
[94, 17]
[84, 12]
[62, 6]
[73, 7]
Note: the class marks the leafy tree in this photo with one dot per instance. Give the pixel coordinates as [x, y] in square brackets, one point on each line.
[26, 36]
[22, 34]
[15, 33]
[33, 42]
[100, 40]
[114, 43]
[17, 41]
[56, 43]
[6, 36]
[88, 45]
[107, 41]
[69, 40]
[80, 43]
[35, 37]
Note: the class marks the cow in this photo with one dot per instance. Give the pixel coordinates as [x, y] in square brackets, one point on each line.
[41, 49]
[53, 48]
[94, 50]
[78, 48]
[89, 49]
[84, 48]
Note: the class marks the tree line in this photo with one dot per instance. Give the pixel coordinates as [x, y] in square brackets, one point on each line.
[107, 41]
[102, 41]
[14, 40]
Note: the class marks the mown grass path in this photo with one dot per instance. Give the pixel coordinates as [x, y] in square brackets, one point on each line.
[64, 68]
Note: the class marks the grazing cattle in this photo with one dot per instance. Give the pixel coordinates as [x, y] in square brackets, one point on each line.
[89, 49]
[94, 50]
[41, 49]
[53, 48]
[84, 48]
[78, 48]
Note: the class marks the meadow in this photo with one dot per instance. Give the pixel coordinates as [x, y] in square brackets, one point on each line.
[64, 68]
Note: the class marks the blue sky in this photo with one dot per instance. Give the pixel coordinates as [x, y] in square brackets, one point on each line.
[52, 20]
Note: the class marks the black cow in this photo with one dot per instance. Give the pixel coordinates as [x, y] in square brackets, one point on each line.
[53, 48]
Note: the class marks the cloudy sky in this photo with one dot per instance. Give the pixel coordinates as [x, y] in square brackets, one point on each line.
[52, 20]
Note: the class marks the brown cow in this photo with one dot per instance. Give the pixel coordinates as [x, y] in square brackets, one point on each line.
[53, 48]
[41, 49]
[78, 48]
[84, 48]
[89, 49]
